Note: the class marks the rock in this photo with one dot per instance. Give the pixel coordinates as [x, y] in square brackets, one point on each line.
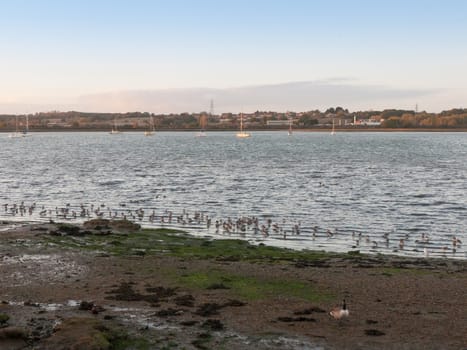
[309, 311]
[214, 325]
[162, 292]
[234, 303]
[169, 312]
[86, 305]
[208, 309]
[218, 286]
[69, 230]
[374, 332]
[96, 309]
[30, 303]
[185, 300]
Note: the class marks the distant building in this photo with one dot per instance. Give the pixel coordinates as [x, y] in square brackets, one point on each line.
[58, 123]
[367, 122]
[278, 122]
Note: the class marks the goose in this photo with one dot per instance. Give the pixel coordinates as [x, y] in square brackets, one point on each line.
[338, 313]
[401, 243]
[456, 241]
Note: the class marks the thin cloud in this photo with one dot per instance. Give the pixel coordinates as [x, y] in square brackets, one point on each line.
[294, 96]
[298, 96]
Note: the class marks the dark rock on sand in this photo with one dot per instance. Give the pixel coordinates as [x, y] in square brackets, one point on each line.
[201, 341]
[233, 303]
[312, 263]
[208, 309]
[86, 305]
[125, 292]
[309, 311]
[71, 230]
[30, 303]
[161, 292]
[218, 286]
[214, 325]
[374, 332]
[185, 300]
[169, 312]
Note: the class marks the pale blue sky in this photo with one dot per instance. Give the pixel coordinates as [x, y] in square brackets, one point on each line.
[117, 55]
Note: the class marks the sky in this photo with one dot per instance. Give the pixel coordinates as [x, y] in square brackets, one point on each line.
[172, 56]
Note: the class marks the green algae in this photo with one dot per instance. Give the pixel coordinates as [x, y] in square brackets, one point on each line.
[179, 244]
[253, 288]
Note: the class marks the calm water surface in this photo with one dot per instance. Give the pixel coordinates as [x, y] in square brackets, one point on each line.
[362, 191]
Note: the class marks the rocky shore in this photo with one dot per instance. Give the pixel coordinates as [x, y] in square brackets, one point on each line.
[111, 285]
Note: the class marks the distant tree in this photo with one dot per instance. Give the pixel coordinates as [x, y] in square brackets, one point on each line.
[387, 113]
[391, 122]
[307, 120]
[408, 120]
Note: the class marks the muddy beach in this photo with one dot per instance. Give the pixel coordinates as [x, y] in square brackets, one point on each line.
[112, 285]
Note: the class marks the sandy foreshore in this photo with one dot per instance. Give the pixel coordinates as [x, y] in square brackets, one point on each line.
[106, 286]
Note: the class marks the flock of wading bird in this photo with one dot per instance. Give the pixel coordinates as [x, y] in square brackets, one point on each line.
[249, 226]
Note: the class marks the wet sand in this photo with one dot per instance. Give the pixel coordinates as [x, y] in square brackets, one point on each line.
[57, 298]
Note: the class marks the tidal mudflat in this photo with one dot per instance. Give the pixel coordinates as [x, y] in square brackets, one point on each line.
[112, 285]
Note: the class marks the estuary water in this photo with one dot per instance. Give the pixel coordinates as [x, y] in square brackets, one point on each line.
[391, 193]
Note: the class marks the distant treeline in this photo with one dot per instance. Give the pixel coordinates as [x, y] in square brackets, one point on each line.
[342, 118]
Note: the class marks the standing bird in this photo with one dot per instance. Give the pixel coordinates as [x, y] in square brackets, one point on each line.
[338, 313]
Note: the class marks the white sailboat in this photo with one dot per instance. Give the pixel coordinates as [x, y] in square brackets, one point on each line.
[290, 128]
[152, 128]
[114, 128]
[333, 131]
[242, 134]
[17, 133]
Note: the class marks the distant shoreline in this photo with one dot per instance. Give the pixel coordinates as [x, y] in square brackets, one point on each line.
[338, 130]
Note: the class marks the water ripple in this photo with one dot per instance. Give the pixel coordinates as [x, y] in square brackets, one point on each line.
[372, 183]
